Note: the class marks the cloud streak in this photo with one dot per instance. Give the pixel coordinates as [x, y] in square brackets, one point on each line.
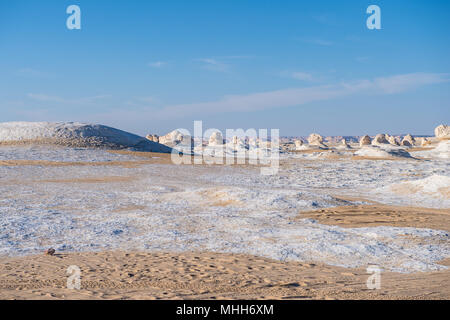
[157, 64]
[304, 76]
[56, 99]
[213, 65]
[300, 96]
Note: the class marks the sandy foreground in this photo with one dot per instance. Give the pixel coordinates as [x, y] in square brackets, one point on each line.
[208, 275]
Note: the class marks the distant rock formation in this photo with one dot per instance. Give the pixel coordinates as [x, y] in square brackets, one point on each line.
[175, 138]
[338, 139]
[316, 140]
[153, 137]
[365, 141]
[425, 142]
[236, 144]
[393, 141]
[442, 132]
[264, 144]
[408, 141]
[236, 140]
[216, 139]
[380, 139]
[298, 144]
[344, 144]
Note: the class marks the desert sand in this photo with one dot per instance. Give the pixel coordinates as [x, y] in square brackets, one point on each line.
[137, 275]
[212, 275]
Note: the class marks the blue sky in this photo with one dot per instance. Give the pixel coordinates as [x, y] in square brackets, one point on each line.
[302, 67]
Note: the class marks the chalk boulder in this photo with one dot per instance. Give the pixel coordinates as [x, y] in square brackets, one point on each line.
[393, 141]
[365, 141]
[442, 132]
[344, 144]
[216, 139]
[175, 138]
[298, 144]
[408, 141]
[380, 139]
[153, 137]
[316, 140]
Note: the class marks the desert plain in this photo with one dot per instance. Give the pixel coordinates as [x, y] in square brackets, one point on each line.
[139, 226]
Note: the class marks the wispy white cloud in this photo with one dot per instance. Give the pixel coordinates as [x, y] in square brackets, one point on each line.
[300, 96]
[147, 99]
[304, 76]
[318, 41]
[404, 82]
[33, 73]
[221, 63]
[146, 108]
[213, 64]
[157, 64]
[237, 57]
[57, 99]
[140, 102]
[45, 98]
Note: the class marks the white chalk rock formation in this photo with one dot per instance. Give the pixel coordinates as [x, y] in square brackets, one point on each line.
[408, 141]
[216, 139]
[422, 141]
[380, 139]
[264, 144]
[393, 141]
[442, 132]
[153, 137]
[236, 140]
[176, 138]
[365, 141]
[298, 144]
[75, 134]
[253, 142]
[236, 144]
[344, 145]
[316, 140]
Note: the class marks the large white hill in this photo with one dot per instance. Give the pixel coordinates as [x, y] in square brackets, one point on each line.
[75, 134]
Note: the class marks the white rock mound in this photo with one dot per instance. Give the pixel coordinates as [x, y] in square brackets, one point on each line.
[344, 145]
[235, 140]
[75, 134]
[442, 132]
[441, 151]
[365, 141]
[385, 151]
[173, 138]
[380, 139]
[408, 141]
[236, 144]
[216, 139]
[153, 137]
[422, 141]
[393, 141]
[316, 140]
[300, 145]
